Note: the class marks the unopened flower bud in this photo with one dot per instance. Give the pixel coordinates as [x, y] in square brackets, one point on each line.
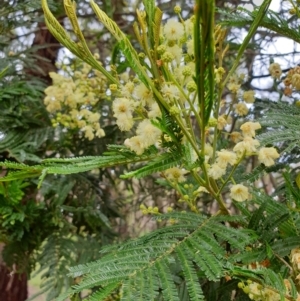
[113, 87]
[177, 9]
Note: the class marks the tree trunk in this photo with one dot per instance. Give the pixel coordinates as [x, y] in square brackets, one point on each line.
[45, 56]
[13, 287]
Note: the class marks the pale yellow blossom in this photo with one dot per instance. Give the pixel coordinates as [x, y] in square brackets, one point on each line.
[202, 189]
[57, 78]
[266, 155]
[173, 30]
[216, 171]
[143, 94]
[88, 132]
[177, 53]
[135, 144]
[94, 117]
[275, 70]
[154, 111]
[208, 150]
[239, 192]
[295, 258]
[189, 26]
[249, 128]
[100, 133]
[170, 92]
[175, 174]
[296, 81]
[124, 122]
[233, 87]
[222, 122]
[247, 146]
[123, 105]
[123, 109]
[248, 96]
[190, 47]
[241, 109]
[127, 89]
[236, 137]
[148, 132]
[226, 157]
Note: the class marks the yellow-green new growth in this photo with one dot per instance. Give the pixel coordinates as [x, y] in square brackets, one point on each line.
[79, 49]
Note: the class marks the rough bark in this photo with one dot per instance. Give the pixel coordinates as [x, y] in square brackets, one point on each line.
[13, 286]
[45, 56]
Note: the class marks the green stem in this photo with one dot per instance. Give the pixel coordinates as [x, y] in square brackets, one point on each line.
[199, 63]
[231, 174]
[192, 108]
[260, 15]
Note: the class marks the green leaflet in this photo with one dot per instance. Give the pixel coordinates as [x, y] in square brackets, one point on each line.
[160, 163]
[271, 21]
[169, 290]
[150, 15]
[204, 45]
[144, 264]
[101, 294]
[124, 43]
[79, 49]
[252, 30]
[3, 72]
[71, 165]
[193, 285]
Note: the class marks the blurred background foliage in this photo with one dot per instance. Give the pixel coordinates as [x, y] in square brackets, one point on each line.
[67, 221]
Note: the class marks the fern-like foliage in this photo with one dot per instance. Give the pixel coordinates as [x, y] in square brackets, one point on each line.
[57, 254]
[282, 119]
[142, 267]
[272, 21]
[117, 155]
[21, 133]
[75, 165]
[193, 248]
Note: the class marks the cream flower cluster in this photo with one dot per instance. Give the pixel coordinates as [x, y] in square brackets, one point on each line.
[295, 260]
[175, 174]
[134, 106]
[73, 101]
[275, 70]
[257, 292]
[243, 97]
[292, 81]
[246, 145]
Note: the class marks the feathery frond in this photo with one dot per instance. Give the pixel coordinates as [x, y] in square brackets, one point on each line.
[193, 243]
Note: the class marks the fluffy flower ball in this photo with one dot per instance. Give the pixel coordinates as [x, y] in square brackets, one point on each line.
[173, 30]
[249, 128]
[226, 157]
[275, 70]
[148, 133]
[266, 155]
[239, 192]
[175, 174]
[216, 171]
[241, 109]
[123, 108]
[296, 81]
[247, 146]
[248, 96]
